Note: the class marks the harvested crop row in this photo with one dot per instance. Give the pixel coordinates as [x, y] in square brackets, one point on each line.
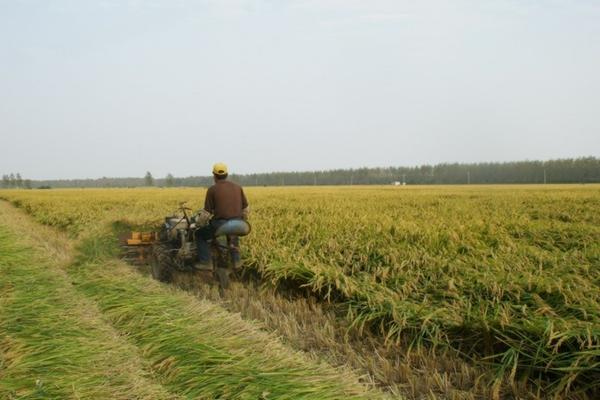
[202, 351]
[54, 343]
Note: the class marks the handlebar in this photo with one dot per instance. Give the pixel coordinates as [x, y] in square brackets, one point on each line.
[182, 207]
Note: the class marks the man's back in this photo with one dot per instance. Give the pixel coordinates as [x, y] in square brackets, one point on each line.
[225, 200]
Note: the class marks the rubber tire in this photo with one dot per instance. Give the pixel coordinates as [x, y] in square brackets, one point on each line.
[222, 276]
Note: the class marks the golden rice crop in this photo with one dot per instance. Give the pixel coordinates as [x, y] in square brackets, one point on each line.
[506, 275]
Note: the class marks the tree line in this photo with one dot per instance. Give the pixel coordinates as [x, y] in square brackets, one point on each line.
[16, 181]
[571, 170]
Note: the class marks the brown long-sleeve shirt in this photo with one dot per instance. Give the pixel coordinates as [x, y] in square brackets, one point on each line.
[225, 200]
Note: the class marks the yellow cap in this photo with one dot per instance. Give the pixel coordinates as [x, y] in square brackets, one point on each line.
[220, 169]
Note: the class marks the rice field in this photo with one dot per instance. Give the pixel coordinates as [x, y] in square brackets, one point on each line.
[508, 277]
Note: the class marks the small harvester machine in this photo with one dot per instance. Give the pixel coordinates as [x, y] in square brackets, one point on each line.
[172, 248]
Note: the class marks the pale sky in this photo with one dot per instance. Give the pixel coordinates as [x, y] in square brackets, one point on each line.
[115, 88]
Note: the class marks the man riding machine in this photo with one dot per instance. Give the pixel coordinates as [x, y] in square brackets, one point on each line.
[220, 223]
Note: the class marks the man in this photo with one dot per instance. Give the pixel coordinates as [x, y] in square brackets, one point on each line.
[224, 200]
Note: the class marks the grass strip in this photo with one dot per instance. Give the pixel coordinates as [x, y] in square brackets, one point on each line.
[53, 342]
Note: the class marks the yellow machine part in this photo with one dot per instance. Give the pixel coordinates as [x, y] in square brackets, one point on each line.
[141, 238]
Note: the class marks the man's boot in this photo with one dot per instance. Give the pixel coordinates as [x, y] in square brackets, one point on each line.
[236, 260]
[234, 251]
[204, 262]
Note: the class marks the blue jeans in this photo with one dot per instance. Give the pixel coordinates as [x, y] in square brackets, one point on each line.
[206, 234]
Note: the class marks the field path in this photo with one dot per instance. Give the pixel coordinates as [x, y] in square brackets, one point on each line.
[133, 337]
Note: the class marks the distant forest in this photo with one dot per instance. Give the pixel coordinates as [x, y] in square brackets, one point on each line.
[578, 170]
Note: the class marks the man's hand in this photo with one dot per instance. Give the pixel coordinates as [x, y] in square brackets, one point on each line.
[245, 213]
[203, 218]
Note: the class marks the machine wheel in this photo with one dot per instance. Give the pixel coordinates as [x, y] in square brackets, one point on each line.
[222, 275]
[161, 264]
